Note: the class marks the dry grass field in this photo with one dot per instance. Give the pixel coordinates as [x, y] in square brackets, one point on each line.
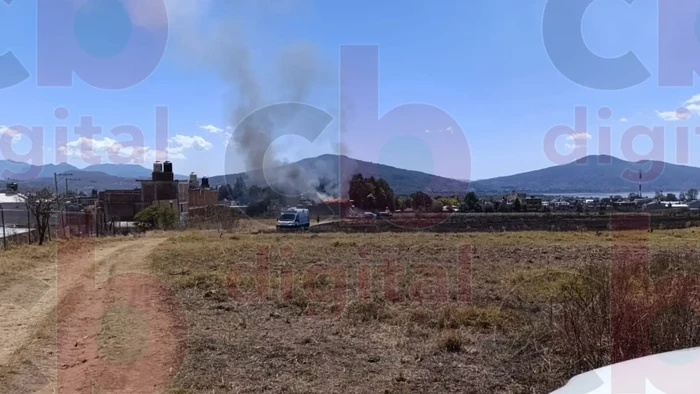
[259, 312]
[422, 312]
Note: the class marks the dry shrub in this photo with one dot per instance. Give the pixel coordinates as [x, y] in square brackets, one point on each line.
[344, 244]
[452, 316]
[618, 312]
[583, 323]
[451, 342]
[366, 310]
[203, 280]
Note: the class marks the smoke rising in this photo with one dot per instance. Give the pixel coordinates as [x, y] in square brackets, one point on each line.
[224, 47]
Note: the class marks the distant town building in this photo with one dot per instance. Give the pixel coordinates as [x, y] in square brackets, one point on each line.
[533, 204]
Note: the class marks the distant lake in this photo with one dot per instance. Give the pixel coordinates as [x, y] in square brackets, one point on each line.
[605, 195]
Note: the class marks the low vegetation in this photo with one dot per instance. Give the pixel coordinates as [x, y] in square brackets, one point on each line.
[475, 313]
[160, 217]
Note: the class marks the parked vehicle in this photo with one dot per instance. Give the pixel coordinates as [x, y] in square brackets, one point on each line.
[293, 218]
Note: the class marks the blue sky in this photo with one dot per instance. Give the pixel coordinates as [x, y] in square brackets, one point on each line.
[484, 63]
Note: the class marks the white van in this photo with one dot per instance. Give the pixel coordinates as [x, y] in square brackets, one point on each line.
[293, 218]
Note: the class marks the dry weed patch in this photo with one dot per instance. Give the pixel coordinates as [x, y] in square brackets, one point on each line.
[389, 312]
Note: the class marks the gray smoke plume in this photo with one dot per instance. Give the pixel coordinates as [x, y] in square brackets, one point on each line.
[223, 47]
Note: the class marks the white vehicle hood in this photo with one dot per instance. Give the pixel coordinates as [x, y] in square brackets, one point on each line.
[667, 373]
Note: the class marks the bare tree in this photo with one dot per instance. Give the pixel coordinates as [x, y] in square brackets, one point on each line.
[42, 205]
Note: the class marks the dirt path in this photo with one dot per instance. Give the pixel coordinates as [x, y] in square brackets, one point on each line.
[104, 325]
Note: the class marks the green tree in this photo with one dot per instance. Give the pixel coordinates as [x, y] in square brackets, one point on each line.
[421, 201]
[692, 194]
[449, 201]
[156, 217]
[225, 192]
[471, 202]
[358, 190]
[517, 205]
[436, 206]
[384, 193]
[671, 197]
[239, 190]
[371, 193]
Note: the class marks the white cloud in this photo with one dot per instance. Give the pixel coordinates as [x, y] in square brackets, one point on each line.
[690, 107]
[575, 145]
[191, 141]
[227, 138]
[89, 147]
[16, 135]
[86, 148]
[623, 120]
[693, 100]
[578, 136]
[669, 116]
[210, 128]
[180, 143]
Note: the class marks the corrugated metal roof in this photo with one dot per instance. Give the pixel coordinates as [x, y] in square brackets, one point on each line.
[11, 198]
[10, 231]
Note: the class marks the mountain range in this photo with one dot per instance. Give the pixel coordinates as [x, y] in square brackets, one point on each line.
[96, 176]
[598, 174]
[591, 174]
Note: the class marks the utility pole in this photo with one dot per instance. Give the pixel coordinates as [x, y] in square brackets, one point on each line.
[70, 180]
[29, 227]
[55, 180]
[65, 201]
[56, 177]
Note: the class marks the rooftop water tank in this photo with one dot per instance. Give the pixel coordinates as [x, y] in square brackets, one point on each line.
[157, 167]
[167, 167]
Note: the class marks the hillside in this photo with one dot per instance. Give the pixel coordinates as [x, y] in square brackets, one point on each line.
[98, 176]
[403, 182]
[589, 174]
[584, 175]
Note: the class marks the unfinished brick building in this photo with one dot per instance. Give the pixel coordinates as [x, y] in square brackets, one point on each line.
[162, 188]
[120, 205]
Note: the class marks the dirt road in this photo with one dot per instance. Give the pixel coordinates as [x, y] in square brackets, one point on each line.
[96, 321]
